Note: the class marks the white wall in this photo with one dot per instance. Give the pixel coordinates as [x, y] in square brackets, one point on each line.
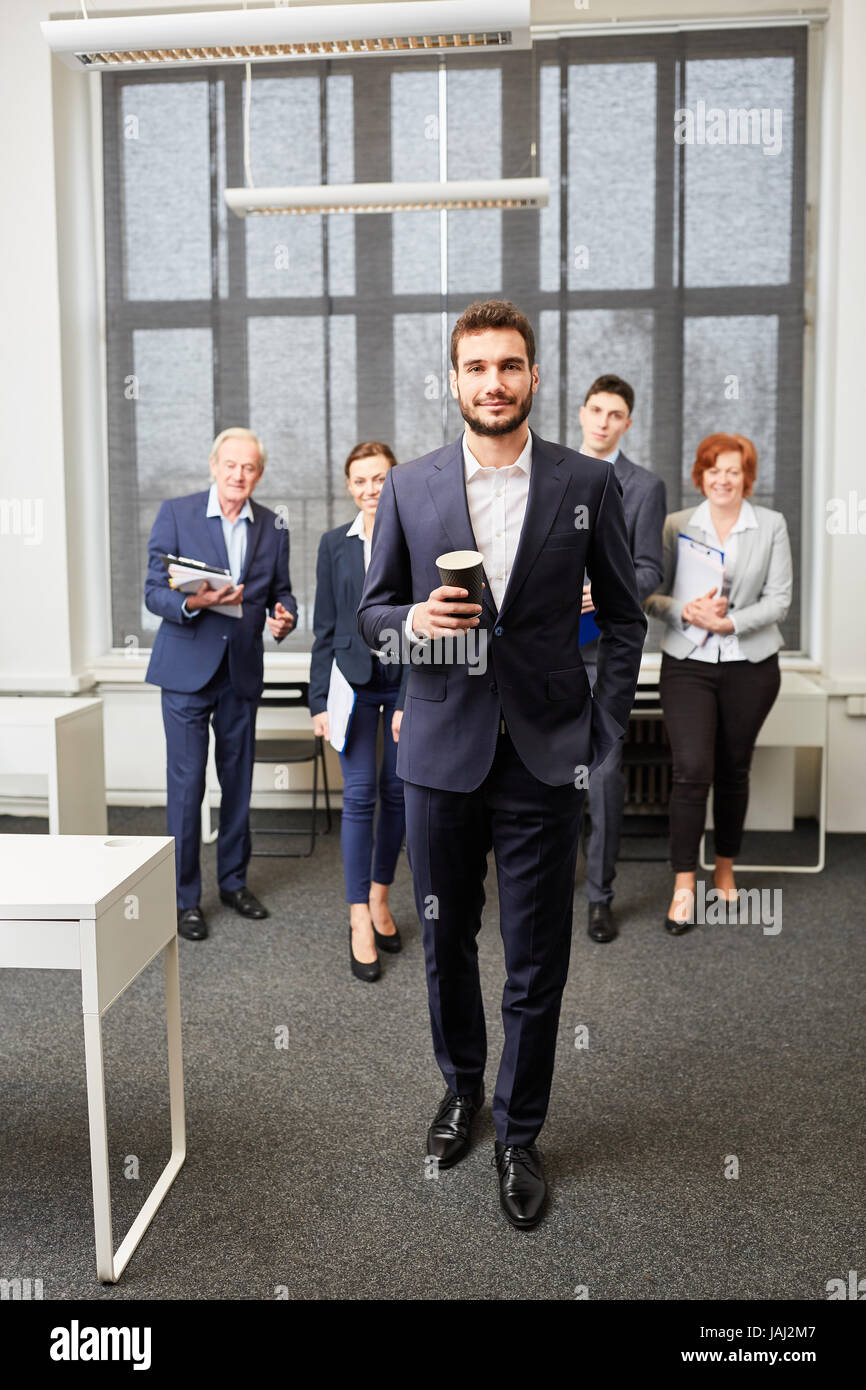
[56, 623]
[839, 574]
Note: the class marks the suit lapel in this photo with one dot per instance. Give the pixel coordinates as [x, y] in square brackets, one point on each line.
[353, 558]
[212, 530]
[254, 535]
[547, 484]
[447, 487]
[746, 542]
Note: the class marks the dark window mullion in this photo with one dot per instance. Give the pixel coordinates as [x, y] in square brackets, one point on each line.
[667, 421]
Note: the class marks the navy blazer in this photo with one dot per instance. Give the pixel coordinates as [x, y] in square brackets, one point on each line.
[529, 662]
[187, 651]
[339, 584]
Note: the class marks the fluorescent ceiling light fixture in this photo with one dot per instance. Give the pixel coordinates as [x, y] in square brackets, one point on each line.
[390, 197]
[296, 31]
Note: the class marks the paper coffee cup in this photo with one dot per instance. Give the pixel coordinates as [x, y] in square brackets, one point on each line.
[464, 569]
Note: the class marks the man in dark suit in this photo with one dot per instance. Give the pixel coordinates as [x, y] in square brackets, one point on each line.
[210, 664]
[496, 751]
[605, 416]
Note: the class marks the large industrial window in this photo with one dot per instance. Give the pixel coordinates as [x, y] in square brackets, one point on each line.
[671, 253]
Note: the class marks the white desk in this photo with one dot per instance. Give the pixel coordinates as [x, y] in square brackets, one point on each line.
[62, 740]
[105, 907]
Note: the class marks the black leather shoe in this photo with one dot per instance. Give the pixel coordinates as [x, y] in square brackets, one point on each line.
[392, 944]
[242, 900]
[191, 923]
[363, 970]
[601, 926]
[448, 1136]
[522, 1188]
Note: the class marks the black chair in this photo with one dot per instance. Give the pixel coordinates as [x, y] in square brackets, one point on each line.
[291, 750]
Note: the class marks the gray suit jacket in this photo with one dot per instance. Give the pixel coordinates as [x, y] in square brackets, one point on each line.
[644, 504]
[760, 592]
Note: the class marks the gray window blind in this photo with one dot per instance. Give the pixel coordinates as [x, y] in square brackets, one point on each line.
[671, 253]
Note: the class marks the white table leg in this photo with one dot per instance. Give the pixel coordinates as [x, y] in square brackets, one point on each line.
[109, 1267]
[94, 1063]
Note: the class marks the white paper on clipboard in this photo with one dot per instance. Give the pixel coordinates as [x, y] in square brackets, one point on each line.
[699, 568]
[341, 703]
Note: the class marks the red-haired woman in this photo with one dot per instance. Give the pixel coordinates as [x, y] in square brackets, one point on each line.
[717, 693]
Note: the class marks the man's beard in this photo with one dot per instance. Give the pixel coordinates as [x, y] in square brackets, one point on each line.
[500, 426]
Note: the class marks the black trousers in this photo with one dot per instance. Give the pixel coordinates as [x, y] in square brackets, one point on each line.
[713, 713]
[533, 831]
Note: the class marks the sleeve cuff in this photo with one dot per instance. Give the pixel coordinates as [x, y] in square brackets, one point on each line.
[186, 613]
[411, 635]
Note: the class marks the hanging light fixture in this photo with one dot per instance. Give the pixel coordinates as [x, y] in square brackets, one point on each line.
[293, 32]
[390, 197]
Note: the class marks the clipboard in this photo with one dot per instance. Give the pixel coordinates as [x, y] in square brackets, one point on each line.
[589, 629]
[188, 576]
[340, 706]
[699, 567]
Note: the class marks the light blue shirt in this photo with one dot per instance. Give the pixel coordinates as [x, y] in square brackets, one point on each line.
[234, 535]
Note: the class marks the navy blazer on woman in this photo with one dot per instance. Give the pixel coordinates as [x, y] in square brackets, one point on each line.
[339, 585]
[187, 651]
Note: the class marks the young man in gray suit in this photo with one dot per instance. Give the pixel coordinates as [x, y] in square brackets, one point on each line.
[605, 417]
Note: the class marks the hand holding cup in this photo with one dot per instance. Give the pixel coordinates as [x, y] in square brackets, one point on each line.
[455, 605]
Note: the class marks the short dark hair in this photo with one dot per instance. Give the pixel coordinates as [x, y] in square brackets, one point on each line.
[614, 386]
[368, 449]
[492, 313]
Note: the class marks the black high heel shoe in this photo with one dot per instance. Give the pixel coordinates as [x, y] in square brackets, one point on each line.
[677, 928]
[391, 944]
[363, 970]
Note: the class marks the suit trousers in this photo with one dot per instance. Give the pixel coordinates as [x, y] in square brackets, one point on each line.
[605, 801]
[713, 712]
[366, 858]
[533, 830]
[186, 718]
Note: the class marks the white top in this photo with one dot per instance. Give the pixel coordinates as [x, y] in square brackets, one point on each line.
[357, 529]
[723, 646]
[497, 499]
[71, 876]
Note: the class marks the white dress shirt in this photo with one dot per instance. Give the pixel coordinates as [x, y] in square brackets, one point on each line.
[497, 499]
[357, 529]
[723, 646]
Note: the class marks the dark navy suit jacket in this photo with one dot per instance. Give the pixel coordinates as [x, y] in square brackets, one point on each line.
[534, 669]
[187, 651]
[339, 584]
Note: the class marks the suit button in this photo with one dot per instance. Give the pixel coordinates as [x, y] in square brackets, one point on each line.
[497, 632]
[225, 639]
[493, 687]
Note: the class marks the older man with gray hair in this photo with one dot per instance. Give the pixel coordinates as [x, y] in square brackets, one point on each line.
[209, 662]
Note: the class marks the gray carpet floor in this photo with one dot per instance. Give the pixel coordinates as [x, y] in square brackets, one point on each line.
[725, 1049]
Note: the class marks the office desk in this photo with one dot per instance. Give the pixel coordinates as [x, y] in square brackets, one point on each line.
[61, 740]
[104, 907]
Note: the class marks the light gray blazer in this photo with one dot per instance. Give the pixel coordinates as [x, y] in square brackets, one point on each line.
[760, 591]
